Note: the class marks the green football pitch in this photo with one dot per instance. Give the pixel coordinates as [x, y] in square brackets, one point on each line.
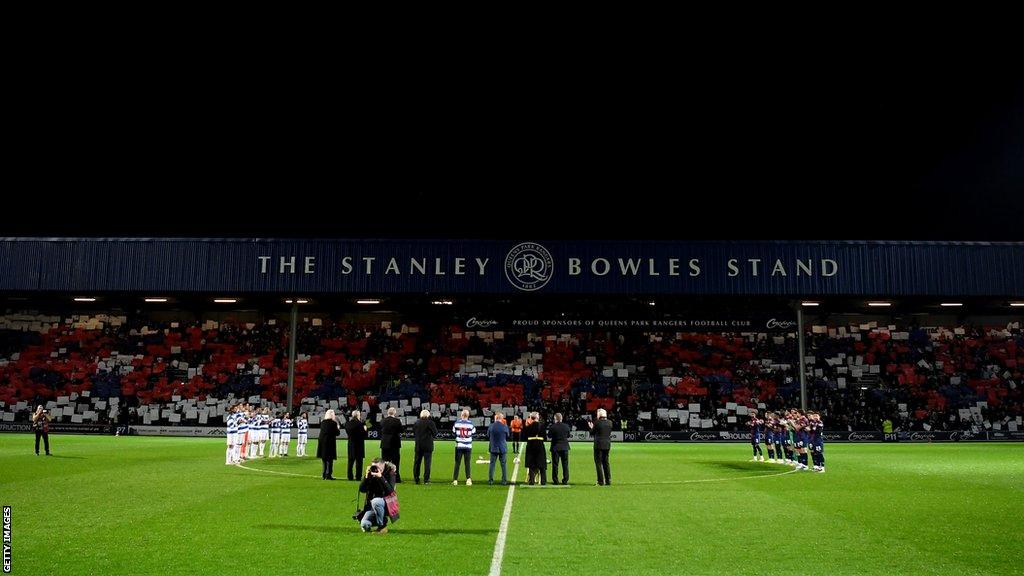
[138, 505]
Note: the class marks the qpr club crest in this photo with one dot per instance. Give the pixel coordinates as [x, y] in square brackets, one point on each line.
[529, 266]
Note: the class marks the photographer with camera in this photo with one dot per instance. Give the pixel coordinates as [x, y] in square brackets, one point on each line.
[41, 424]
[376, 486]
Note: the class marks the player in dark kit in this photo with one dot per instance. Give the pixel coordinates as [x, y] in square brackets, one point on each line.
[755, 436]
[769, 435]
[787, 436]
[800, 426]
[780, 432]
[817, 439]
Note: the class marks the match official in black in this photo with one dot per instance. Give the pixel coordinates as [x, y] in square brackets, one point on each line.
[602, 432]
[559, 434]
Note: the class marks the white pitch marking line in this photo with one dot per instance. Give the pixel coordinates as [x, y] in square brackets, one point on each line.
[499, 544]
[275, 472]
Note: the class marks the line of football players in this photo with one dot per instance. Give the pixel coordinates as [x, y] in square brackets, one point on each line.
[248, 429]
[789, 437]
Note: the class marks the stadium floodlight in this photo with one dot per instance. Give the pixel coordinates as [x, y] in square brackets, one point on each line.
[951, 304]
[879, 304]
[155, 299]
[84, 299]
[809, 303]
[299, 301]
[651, 303]
[367, 301]
[225, 300]
[1016, 304]
[442, 302]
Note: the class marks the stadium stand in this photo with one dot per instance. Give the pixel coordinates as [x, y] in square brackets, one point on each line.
[137, 370]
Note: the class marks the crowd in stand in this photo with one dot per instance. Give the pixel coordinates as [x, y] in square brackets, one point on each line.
[857, 375]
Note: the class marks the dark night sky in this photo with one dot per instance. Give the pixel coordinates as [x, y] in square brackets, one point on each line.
[898, 147]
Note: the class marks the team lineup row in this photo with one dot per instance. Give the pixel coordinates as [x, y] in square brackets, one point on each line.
[788, 436]
[249, 429]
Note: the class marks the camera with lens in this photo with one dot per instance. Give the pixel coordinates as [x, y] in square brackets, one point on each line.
[374, 469]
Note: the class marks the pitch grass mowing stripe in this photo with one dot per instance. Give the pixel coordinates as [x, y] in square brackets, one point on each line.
[708, 479]
[499, 544]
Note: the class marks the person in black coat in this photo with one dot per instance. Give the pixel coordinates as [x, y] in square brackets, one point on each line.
[391, 441]
[559, 434]
[424, 430]
[602, 432]
[536, 459]
[355, 428]
[327, 444]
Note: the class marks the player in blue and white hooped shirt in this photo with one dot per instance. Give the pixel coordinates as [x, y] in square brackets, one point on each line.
[303, 424]
[254, 433]
[463, 430]
[257, 425]
[250, 439]
[264, 420]
[242, 430]
[286, 434]
[258, 438]
[229, 431]
[275, 436]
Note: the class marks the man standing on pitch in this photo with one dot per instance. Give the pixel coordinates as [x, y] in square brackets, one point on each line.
[602, 432]
[463, 430]
[391, 442]
[559, 434]
[497, 436]
[356, 431]
[424, 431]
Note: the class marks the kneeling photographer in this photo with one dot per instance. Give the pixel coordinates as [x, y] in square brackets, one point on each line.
[376, 486]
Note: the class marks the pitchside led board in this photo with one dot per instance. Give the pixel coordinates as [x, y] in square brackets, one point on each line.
[500, 267]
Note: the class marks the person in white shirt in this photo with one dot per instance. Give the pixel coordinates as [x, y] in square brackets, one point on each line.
[275, 436]
[286, 434]
[303, 424]
[230, 431]
[264, 429]
[241, 436]
[463, 430]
